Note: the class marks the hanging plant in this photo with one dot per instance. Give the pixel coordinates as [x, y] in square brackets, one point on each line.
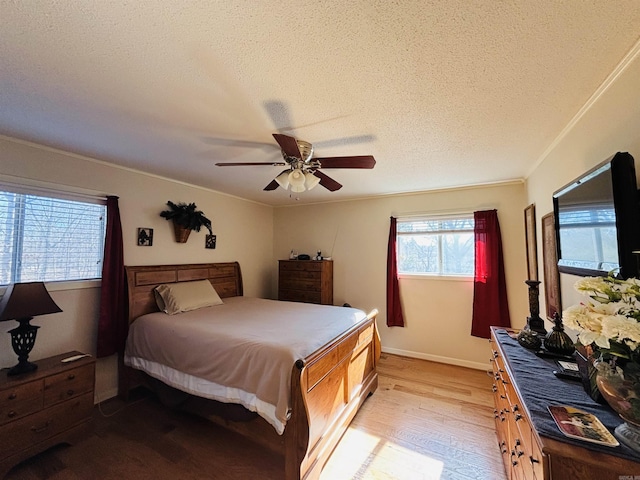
[185, 218]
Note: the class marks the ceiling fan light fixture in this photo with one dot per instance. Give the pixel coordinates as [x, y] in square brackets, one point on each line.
[311, 180]
[306, 150]
[283, 180]
[296, 179]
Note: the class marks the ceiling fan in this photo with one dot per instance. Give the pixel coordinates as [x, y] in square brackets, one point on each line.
[303, 170]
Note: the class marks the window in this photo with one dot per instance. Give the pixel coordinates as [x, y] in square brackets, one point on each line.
[436, 245]
[49, 239]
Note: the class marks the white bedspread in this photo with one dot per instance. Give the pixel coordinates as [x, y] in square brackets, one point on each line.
[240, 352]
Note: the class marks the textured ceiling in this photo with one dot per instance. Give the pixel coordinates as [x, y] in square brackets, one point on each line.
[442, 93]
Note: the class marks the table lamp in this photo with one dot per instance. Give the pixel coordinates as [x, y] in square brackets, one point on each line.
[22, 302]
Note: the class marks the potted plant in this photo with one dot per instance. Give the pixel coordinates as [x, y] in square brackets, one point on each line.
[185, 218]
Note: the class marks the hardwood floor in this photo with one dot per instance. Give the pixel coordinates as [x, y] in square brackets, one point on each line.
[426, 421]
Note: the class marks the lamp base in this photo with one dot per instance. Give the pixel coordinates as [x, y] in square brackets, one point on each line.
[23, 338]
[22, 367]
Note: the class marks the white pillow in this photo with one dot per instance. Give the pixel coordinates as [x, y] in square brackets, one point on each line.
[179, 297]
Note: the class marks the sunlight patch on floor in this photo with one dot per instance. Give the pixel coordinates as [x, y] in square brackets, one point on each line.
[361, 456]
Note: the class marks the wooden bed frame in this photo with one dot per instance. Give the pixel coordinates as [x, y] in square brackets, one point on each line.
[327, 388]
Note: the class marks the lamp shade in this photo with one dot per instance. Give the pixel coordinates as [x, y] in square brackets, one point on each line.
[283, 180]
[296, 180]
[311, 180]
[26, 300]
[21, 302]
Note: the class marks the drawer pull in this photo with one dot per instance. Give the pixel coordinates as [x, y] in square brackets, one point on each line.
[13, 396]
[11, 414]
[70, 392]
[71, 376]
[41, 428]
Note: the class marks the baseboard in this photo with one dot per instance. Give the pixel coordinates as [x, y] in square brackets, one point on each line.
[437, 358]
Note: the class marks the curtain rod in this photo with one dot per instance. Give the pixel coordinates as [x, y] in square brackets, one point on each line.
[440, 213]
[23, 185]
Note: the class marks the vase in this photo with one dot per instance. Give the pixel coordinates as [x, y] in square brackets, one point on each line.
[181, 233]
[557, 341]
[623, 396]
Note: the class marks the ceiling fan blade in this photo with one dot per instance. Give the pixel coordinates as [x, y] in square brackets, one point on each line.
[244, 164]
[362, 161]
[274, 183]
[272, 186]
[288, 145]
[327, 182]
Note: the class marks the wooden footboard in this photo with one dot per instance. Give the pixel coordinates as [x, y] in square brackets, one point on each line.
[327, 390]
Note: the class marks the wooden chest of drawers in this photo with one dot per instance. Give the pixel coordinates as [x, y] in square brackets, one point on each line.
[40, 409]
[309, 281]
[529, 454]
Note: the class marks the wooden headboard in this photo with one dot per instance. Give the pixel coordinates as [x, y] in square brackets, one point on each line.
[141, 280]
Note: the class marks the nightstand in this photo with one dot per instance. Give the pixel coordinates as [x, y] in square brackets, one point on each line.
[46, 407]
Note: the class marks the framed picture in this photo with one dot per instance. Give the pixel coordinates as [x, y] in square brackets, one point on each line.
[210, 241]
[530, 237]
[145, 237]
[550, 261]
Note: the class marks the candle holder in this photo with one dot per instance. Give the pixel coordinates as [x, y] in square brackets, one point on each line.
[534, 322]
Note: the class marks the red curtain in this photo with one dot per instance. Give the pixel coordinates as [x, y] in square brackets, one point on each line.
[490, 305]
[394, 307]
[113, 322]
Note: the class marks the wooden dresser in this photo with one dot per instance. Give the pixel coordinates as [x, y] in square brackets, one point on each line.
[309, 281]
[40, 409]
[531, 445]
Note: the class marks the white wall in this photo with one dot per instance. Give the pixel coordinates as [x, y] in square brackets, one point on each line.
[244, 233]
[437, 312]
[609, 123]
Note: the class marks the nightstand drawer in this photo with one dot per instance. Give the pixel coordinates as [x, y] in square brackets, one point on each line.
[69, 384]
[19, 401]
[23, 433]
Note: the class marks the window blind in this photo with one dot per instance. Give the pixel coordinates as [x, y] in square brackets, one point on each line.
[43, 238]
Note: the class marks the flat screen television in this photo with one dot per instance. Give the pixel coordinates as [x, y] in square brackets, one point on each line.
[597, 220]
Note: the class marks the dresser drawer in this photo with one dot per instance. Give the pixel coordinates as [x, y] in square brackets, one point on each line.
[69, 384]
[302, 274]
[297, 266]
[23, 433]
[300, 296]
[289, 283]
[21, 400]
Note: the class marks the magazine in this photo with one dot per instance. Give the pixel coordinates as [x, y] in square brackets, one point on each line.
[582, 425]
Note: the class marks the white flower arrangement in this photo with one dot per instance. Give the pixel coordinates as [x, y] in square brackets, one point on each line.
[609, 318]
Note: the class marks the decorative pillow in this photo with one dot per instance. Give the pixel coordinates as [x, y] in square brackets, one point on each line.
[179, 297]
